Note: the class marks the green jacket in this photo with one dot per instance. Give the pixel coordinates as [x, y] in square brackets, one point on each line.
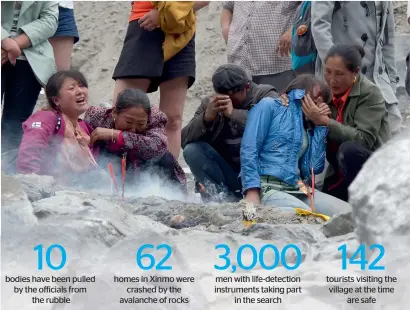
[364, 118]
[39, 21]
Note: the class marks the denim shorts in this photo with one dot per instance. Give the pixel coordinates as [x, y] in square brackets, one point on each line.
[66, 24]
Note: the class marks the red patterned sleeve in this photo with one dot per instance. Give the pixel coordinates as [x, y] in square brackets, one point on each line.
[94, 116]
[153, 143]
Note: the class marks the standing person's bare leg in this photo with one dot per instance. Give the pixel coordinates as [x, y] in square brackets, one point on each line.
[122, 84]
[63, 48]
[172, 101]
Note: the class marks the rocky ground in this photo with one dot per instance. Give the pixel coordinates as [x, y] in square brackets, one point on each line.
[101, 235]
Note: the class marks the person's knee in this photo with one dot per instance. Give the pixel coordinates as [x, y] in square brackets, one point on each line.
[349, 151]
[194, 151]
[351, 158]
[352, 150]
[329, 205]
[190, 151]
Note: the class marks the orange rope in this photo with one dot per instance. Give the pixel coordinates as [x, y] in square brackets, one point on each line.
[123, 167]
[111, 170]
[312, 195]
[313, 182]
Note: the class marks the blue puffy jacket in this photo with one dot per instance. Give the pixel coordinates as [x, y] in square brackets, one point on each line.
[272, 142]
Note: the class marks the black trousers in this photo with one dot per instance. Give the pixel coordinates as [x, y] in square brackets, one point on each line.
[19, 92]
[212, 170]
[163, 166]
[349, 160]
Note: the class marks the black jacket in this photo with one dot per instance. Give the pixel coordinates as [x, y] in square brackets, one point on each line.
[196, 130]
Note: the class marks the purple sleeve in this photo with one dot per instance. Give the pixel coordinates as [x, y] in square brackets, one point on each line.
[152, 143]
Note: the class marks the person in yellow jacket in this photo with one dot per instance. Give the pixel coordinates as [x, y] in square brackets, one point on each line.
[159, 51]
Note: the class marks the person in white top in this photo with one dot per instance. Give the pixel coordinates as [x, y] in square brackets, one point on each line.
[66, 35]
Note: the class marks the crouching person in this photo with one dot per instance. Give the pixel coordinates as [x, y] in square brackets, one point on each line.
[55, 141]
[359, 122]
[212, 139]
[135, 131]
[282, 150]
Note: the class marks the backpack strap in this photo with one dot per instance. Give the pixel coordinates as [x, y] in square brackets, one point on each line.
[58, 123]
[305, 6]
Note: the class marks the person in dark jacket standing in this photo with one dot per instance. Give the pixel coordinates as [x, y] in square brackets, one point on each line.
[212, 139]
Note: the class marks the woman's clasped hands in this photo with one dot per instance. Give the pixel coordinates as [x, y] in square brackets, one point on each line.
[318, 113]
[10, 51]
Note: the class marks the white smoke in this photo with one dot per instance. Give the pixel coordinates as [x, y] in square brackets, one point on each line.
[149, 182]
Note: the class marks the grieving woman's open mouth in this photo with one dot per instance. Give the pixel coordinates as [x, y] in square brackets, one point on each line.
[81, 101]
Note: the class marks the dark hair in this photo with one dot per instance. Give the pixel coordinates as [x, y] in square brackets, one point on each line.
[55, 82]
[351, 54]
[308, 82]
[130, 98]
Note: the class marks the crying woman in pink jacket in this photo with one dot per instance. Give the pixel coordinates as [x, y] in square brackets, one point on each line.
[55, 141]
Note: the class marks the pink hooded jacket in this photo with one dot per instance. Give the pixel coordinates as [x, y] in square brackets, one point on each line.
[43, 134]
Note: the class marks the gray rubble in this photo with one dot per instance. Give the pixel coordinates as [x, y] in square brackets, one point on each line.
[340, 224]
[101, 235]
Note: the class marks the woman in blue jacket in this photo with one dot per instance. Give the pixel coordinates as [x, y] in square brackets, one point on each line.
[280, 148]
